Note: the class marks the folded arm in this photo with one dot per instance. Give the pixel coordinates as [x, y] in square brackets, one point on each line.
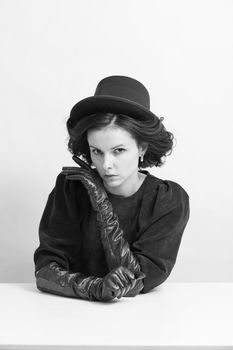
[59, 247]
[52, 278]
[154, 252]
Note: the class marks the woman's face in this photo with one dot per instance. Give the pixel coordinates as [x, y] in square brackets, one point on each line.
[114, 152]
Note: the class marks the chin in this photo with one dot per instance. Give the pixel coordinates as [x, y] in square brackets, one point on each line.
[112, 183]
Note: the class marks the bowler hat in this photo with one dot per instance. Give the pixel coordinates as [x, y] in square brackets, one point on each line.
[114, 94]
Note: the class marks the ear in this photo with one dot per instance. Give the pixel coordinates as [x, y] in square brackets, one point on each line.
[143, 148]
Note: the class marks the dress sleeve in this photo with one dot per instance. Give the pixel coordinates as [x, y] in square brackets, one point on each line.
[157, 246]
[59, 228]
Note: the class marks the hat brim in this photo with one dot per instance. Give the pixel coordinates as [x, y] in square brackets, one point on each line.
[107, 103]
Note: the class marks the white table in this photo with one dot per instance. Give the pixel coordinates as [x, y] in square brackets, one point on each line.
[172, 316]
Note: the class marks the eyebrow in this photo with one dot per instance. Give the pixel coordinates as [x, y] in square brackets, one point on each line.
[111, 148]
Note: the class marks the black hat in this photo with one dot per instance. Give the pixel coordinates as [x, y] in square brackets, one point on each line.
[114, 94]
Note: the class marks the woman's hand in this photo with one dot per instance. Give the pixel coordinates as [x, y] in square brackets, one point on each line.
[118, 282]
[91, 180]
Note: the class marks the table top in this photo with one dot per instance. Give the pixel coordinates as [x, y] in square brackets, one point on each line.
[173, 315]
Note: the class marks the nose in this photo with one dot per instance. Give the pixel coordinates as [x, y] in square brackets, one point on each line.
[107, 162]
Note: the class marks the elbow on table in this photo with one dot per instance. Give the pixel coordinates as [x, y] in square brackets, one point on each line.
[151, 283]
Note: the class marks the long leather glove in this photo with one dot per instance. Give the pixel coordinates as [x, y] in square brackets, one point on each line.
[116, 248]
[54, 279]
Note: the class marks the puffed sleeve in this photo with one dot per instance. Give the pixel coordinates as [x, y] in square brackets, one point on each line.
[59, 227]
[164, 222]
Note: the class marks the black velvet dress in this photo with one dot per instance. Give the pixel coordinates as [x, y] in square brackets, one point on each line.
[153, 220]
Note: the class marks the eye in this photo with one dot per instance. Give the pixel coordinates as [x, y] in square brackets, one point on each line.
[117, 150]
[120, 150]
[95, 151]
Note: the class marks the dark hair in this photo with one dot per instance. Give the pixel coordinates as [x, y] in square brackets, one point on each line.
[150, 132]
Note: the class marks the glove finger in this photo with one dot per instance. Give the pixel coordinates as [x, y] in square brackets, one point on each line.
[124, 272]
[123, 282]
[83, 175]
[86, 179]
[112, 285]
[70, 169]
[122, 292]
[130, 285]
[117, 294]
[133, 284]
[127, 275]
[81, 162]
[75, 170]
[117, 280]
[128, 288]
[124, 279]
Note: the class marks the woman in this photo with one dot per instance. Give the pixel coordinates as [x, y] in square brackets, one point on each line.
[109, 228]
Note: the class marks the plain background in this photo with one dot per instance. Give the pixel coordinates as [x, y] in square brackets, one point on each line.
[53, 53]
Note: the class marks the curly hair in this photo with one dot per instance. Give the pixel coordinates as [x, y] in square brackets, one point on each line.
[149, 131]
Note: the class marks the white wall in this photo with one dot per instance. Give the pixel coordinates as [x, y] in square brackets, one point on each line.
[53, 53]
